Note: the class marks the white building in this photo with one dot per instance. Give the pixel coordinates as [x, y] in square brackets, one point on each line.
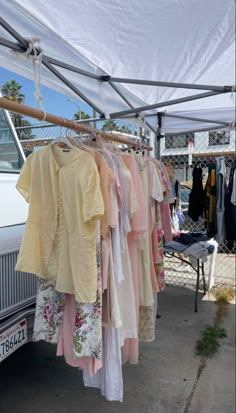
[206, 146]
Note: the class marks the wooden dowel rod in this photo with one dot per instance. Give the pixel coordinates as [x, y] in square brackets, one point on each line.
[65, 123]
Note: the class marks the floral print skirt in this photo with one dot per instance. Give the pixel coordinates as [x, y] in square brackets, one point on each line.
[50, 307]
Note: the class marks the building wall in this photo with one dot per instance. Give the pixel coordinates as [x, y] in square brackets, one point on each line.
[179, 156]
[201, 145]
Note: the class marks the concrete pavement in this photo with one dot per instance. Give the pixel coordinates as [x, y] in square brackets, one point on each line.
[34, 380]
[215, 392]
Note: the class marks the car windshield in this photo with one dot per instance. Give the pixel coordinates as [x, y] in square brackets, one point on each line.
[11, 158]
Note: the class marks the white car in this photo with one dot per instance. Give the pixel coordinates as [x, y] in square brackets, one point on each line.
[17, 290]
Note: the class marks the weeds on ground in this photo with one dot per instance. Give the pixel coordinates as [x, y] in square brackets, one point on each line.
[208, 344]
[224, 295]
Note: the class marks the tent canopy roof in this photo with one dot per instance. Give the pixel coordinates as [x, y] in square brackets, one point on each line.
[171, 41]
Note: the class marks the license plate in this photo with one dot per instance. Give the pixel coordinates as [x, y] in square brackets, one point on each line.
[12, 339]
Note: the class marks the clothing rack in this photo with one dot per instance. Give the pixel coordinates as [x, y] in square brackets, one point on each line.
[65, 123]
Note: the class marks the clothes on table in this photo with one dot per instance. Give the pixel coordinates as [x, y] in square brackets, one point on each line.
[94, 237]
[174, 246]
[188, 238]
[199, 250]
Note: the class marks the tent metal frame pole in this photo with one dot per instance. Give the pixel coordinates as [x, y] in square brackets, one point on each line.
[63, 79]
[194, 131]
[49, 62]
[176, 85]
[166, 103]
[159, 136]
[56, 73]
[71, 68]
[129, 103]
[48, 65]
[168, 115]
[125, 99]
[107, 78]
[13, 33]
[11, 45]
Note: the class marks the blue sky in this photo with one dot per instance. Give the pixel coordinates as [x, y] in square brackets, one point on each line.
[54, 102]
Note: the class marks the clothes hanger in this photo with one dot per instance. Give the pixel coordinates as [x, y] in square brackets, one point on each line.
[99, 141]
[137, 148]
[62, 139]
[74, 142]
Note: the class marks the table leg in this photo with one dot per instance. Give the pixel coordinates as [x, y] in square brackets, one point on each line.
[197, 286]
[203, 277]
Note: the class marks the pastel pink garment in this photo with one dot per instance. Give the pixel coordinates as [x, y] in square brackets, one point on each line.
[151, 221]
[105, 261]
[146, 291]
[155, 247]
[138, 223]
[131, 346]
[165, 217]
[138, 230]
[65, 340]
[160, 265]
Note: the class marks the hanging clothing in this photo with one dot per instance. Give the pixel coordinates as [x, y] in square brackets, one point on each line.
[105, 172]
[196, 196]
[109, 378]
[48, 180]
[210, 202]
[233, 194]
[49, 312]
[146, 287]
[230, 209]
[138, 230]
[159, 264]
[220, 195]
[165, 205]
[87, 204]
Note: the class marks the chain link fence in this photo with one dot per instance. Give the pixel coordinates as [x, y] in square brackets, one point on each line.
[40, 135]
[207, 146]
[10, 158]
[174, 153]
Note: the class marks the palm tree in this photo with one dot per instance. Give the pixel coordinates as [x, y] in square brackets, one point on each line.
[12, 90]
[20, 122]
[81, 115]
[110, 125]
[125, 129]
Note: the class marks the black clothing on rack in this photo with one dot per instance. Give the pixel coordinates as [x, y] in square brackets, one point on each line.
[196, 196]
[230, 211]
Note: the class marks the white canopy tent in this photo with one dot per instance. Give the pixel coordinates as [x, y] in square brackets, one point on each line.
[121, 57]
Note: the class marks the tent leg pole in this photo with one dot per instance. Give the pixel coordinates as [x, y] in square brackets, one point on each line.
[158, 141]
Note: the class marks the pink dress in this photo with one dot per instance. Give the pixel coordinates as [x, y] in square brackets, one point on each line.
[165, 208]
[138, 230]
[66, 337]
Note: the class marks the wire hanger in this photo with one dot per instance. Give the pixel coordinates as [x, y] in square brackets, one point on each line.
[62, 139]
